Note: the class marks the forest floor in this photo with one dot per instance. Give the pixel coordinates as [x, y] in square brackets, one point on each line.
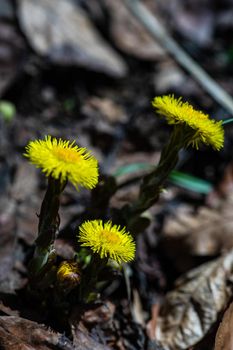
[87, 71]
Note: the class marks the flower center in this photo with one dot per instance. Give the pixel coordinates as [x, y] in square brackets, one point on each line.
[110, 237]
[67, 155]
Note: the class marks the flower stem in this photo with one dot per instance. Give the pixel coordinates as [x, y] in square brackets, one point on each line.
[48, 227]
[152, 183]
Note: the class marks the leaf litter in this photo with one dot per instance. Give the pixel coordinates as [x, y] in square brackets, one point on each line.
[99, 109]
[191, 309]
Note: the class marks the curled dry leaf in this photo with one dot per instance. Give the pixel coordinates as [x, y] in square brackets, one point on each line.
[191, 309]
[224, 336]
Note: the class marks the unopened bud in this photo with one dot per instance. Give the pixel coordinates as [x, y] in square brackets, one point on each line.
[68, 275]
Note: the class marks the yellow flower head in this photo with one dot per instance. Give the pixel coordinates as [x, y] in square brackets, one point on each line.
[68, 274]
[64, 160]
[205, 130]
[108, 240]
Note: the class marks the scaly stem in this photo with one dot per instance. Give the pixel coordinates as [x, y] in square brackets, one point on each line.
[47, 228]
[152, 183]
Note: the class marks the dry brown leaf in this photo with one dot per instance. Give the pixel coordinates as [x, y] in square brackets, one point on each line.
[198, 27]
[83, 322]
[105, 108]
[137, 308]
[152, 324]
[193, 20]
[61, 31]
[207, 232]
[224, 336]
[191, 309]
[129, 35]
[18, 333]
[25, 182]
[6, 310]
[169, 76]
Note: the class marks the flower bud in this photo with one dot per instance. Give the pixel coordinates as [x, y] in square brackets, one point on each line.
[68, 275]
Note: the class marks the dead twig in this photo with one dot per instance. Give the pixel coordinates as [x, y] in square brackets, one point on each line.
[157, 31]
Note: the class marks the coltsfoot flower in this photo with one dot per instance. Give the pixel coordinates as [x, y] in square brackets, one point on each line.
[205, 130]
[107, 240]
[68, 274]
[64, 160]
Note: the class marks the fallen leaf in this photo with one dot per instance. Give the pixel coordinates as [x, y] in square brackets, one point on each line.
[83, 341]
[6, 310]
[224, 336]
[25, 182]
[64, 248]
[152, 324]
[104, 108]
[153, 345]
[193, 20]
[189, 311]
[168, 76]
[137, 309]
[24, 191]
[85, 326]
[206, 232]
[62, 31]
[129, 35]
[196, 26]
[103, 313]
[18, 333]
[27, 220]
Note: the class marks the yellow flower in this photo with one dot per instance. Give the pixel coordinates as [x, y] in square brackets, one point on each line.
[205, 130]
[108, 240]
[64, 160]
[68, 274]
